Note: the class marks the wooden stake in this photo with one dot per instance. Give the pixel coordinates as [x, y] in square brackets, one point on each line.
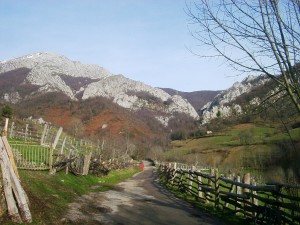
[4, 133]
[57, 137]
[11, 132]
[13, 211]
[10, 155]
[10, 201]
[18, 191]
[42, 141]
[26, 132]
[86, 163]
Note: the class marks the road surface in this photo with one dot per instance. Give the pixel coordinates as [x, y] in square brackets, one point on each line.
[140, 200]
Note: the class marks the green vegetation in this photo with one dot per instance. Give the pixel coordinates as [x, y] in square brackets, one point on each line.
[249, 147]
[225, 206]
[7, 111]
[49, 195]
[208, 208]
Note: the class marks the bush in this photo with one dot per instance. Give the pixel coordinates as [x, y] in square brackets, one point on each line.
[197, 134]
[7, 111]
[246, 137]
[179, 135]
[296, 125]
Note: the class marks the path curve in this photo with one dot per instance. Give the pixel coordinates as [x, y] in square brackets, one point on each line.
[140, 200]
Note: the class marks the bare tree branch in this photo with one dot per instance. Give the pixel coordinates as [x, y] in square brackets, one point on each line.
[259, 36]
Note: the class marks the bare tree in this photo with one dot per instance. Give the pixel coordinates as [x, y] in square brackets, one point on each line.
[259, 36]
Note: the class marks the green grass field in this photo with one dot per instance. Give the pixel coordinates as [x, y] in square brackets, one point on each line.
[241, 148]
[49, 195]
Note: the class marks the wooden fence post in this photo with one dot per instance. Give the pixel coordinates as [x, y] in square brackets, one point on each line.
[238, 190]
[69, 156]
[42, 141]
[8, 148]
[190, 179]
[57, 137]
[53, 147]
[233, 187]
[86, 163]
[26, 132]
[13, 211]
[217, 188]
[11, 129]
[18, 191]
[253, 199]
[181, 179]
[246, 180]
[200, 193]
[207, 194]
[63, 146]
[4, 133]
[174, 173]
[10, 155]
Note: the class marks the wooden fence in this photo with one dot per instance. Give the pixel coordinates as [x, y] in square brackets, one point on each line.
[37, 147]
[13, 192]
[31, 156]
[44, 147]
[264, 204]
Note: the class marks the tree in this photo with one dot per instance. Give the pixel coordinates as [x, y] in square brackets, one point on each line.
[261, 37]
[7, 111]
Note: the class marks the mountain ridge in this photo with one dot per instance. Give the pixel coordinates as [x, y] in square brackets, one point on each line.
[197, 98]
[224, 104]
[49, 72]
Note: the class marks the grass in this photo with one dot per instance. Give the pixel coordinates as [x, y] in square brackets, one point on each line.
[231, 146]
[49, 195]
[228, 213]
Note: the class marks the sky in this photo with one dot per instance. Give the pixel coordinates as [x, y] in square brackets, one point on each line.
[145, 40]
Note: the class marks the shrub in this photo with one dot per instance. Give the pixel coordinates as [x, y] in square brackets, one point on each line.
[246, 137]
[179, 135]
[197, 134]
[7, 111]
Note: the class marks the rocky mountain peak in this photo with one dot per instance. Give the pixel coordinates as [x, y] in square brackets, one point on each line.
[220, 103]
[56, 73]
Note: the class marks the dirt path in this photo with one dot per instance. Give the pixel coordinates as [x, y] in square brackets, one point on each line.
[137, 201]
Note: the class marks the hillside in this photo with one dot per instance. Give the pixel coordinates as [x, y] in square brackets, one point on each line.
[84, 98]
[261, 149]
[197, 98]
[94, 118]
[42, 73]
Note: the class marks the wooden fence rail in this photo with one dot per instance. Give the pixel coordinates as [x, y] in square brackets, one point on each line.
[261, 204]
[31, 156]
[44, 147]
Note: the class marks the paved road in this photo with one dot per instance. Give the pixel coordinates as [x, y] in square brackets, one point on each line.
[137, 201]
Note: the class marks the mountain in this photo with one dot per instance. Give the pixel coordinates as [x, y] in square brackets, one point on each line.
[226, 102]
[32, 75]
[197, 98]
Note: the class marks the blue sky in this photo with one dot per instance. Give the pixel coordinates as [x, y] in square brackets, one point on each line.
[145, 40]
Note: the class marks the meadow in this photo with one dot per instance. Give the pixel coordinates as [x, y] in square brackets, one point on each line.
[267, 151]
